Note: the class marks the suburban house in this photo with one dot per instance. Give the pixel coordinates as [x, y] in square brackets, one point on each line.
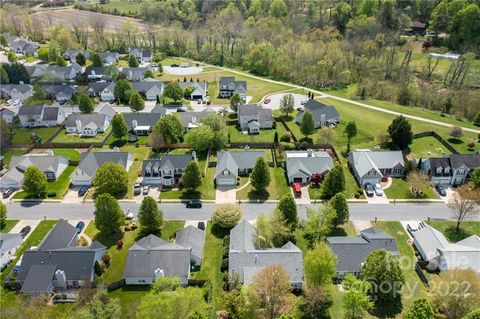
[151, 90]
[8, 246]
[370, 166]
[8, 115]
[104, 90]
[141, 123]
[142, 55]
[252, 118]
[228, 87]
[167, 170]
[88, 125]
[95, 73]
[41, 115]
[351, 251]
[417, 27]
[453, 169]
[52, 166]
[57, 263]
[17, 92]
[91, 161]
[63, 73]
[301, 165]
[192, 238]
[231, 164]
[322, 114]
[134, 74]
[199, 89]
[22, 46]
[60, 93]
[438, 253]
[109, 57]
[245, 259]
[71, 55]
[192, 119]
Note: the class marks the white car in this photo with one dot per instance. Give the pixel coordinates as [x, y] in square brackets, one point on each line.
[303, 102]
[378, 189]
[128, 214]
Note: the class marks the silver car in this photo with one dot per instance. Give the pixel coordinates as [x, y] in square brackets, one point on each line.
[378, 189]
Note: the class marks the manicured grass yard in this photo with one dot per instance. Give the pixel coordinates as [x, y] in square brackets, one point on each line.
[467, 229]
[65, 137]
[70, 153]
[9, 223]
[8, 153]
[278, 186]
[426, 147]
[401, 189]
[129, 297]
[59, 187]
[24, 135]
[119, 256]
[236, 135]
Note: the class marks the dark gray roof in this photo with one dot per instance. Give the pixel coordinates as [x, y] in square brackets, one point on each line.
[318, 109]
[235, 160]
[159, 109]
[108, 54]
[469, 160]
[193, 117]
[193, 238]
[91, 161]
[143, 119]
[98, 87]
[30, 110]
[50, 113]
[248, 109]
[56, 89]
[23, 88]
[144, 86]
[152, 253]
[352, 251]
[97, 70]
[62, 235]
[366, 160]
[316, 162]
[98, 119]
[227, 80]
[39, 279]
[167, 162]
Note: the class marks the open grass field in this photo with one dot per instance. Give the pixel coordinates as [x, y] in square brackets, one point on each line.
[401, 189]
[65, 137]
[9, 223]
[467, 228]
[24, 135]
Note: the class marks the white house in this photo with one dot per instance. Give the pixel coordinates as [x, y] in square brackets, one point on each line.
[301, 165]
[370, 166]
[453, 169]
[252, 118]
[17, 92]
[42, 115]
[8, 246]
[166, 170]
[88, 125]
[150, 89]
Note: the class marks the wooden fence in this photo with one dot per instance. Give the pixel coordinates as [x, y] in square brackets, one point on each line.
[438, 138]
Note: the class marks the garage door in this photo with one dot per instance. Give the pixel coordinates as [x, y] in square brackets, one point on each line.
[298, 180]
[224, 182]
[197, 97]
[371, 181]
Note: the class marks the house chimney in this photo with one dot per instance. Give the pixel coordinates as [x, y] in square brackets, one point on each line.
[159, 273]
[116, 149]
[309, 152]
[134, 123]
[194, 156]
[78, 125]
[322, 120]
[61, 279]
[50, 152]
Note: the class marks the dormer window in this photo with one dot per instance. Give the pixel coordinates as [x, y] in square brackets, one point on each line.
[439, 170]
[225, 172]
[447, 170]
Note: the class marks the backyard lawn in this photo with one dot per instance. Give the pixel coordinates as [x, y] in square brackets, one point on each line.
[426, 147]
[278, 186]
[9, 223]
[236, 135]
[65, 137]
[59, 187]
[24, 135]
[401, 189]
[8, 153]
[119, 256]
[467, 228]
[70, 153]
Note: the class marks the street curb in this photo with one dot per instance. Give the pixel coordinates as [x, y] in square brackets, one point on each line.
[416, 201]
[17, 200]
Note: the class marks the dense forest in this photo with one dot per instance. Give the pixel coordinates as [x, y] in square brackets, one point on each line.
[359, 45]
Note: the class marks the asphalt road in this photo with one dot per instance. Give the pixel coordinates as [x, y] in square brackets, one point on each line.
[250, 211]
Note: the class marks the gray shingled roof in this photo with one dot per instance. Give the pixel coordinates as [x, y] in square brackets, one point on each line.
[193, 117]
[319, 162]
[97, 70]
[50, 113]
[366, 160]
[191, 237]
[159, 109]
[248, 109]
[23, 88]
[318, 109]
[58, 88]
[91, 161]
[227, 80]
[144, 86]
[429, 241]
[469, 160]
[151, 253]
[39, 279]
[62, 235]
[235, 160]
[143, 119]
[167, 161]
[30, 110]
[85, 119]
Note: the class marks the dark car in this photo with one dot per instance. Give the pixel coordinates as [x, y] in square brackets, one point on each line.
[137, 189]
[201, 225]
[80, 226]
[194, 204]
[369, 190]
[25, 230]
[181, 109]
[82, 191]
[441, 190]
[8, 192]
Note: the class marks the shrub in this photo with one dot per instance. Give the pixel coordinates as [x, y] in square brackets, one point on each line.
[304, 145]
[134, 226]
[106, 258]
[286, 137]
[471, 145]
[224, 266]
[128, 228]
[227, 216]
[52, 194]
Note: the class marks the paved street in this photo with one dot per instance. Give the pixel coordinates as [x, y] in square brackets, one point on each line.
[250, 211]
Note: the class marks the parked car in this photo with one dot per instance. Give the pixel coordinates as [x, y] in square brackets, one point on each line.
[8, 192]
[201, 225]
[80, 226]
[266, 101]
[181, 109]
[82, 191]
[145, 189]
[25, 230]
[378, 189]
[297, 189]
[137, 189]
[304, 101]
[128, 214]
[440, 190]
[300, 109]
[369, 189]
[194, 204]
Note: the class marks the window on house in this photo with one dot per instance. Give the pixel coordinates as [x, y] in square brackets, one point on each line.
[397, 171]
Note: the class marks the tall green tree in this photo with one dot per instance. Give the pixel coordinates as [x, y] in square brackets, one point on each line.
[150, 216]
[96, 60]
[318, 224]
[320, 265]
[287, 104]
[341, 15]
[80, 59]
[278, 8]
[465, 31]
[60, 61]
[192, 178]
[12, 57]
[122, 91]
[173, 91]
[101, 306]
[288, 208]
[3, 215]
[119, 126]
[38, 92]
[334, 182]
[420, 309]
[401, 132]
[85, 104]
[201, 138]
[34, 181]
[111, 178]
[170, 129]
[307, 126]
[16, 73]
[350, 132]
[475, 177]
[108, 214]
[260, 176]
[132, 61]
[474, 314]
[235, 101]
[220, 132]
[340, 204]
[355, 300]
[136, 102]
[5, 134]
[4, 76]
[316, 303]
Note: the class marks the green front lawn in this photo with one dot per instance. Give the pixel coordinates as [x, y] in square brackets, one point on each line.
[278, 186]
[9, 223]
[264, 136]
[24, 135]
[448, 228]
[8, 153]
[119, 256]
[400, 189]
[65, 137]
[59, 187]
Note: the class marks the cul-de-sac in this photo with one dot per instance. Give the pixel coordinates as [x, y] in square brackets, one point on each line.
[240, 159]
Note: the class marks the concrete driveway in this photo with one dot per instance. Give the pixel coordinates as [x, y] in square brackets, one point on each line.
[376, 199]
[154, 193]
[22, 223]
[304, 199]
[226, 195]
[449, 190]
[71, 197]
[275, 100]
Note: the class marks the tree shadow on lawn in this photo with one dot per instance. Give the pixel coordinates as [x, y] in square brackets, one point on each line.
[454, 236]
[260, 196]
[118, 143]
[339, 231]
[454, 140]
[387, 309]
[144, 233]
[220, 232]
[109, 239]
